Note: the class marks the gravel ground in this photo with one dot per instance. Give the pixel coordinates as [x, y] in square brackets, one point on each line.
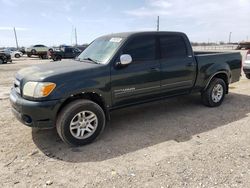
[172, 143]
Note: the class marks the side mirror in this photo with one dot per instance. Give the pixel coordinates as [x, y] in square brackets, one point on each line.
[125, 59]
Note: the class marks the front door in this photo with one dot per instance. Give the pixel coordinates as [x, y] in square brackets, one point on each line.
[139, 80]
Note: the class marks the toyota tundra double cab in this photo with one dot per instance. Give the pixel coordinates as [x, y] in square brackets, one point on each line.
[64, 53]
[116, 71]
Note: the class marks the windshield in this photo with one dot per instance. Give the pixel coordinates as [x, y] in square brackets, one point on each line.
[101, 50]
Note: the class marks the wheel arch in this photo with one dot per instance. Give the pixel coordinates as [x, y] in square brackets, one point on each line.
[93, 96]
[222, 75]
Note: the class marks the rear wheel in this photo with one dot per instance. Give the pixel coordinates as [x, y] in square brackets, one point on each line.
[248, 76]
[33, 52]
[80, 122]
[17, 56]
[214, 95]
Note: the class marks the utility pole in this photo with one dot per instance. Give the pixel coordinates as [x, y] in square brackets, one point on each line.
[71, 35]
[76, 36]
[16, 38]
[158, 23]
[230, 35]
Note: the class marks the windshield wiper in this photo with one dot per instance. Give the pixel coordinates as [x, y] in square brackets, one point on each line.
[92, 60]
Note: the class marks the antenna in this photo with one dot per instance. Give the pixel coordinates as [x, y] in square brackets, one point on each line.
[16, 38]
[158, 23]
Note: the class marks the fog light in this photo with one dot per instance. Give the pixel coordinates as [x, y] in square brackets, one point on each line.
[27, 119]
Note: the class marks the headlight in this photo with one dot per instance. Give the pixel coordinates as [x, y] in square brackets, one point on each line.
[38, 89]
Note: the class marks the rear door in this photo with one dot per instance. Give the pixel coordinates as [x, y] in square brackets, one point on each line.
[140, 80]
[68, 53]
[178, 66]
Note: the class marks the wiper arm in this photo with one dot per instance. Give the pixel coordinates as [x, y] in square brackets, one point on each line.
[92, 60]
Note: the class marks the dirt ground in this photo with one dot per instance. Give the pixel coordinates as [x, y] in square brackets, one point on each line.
[172, 143]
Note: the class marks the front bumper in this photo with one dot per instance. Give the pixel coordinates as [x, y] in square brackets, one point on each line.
[8, 59]
[40, 114]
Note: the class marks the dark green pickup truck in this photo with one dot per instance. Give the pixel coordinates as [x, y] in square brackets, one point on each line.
[116, 71]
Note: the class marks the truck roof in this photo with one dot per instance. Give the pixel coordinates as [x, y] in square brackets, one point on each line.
[128, 34]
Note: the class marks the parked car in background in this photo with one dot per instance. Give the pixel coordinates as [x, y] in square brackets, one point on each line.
[243, 45]
[22, 49]
[116, 71]
[16, 54]
[246, 65]
[40, 50]
[5, 57]
[64, 53]
[82, 47]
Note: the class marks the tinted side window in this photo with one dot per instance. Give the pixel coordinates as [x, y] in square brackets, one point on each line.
[76, 50]
[141, 48]
[68, 50]
[173, 47]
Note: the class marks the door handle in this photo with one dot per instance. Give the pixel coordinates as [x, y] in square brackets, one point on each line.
[154, 69]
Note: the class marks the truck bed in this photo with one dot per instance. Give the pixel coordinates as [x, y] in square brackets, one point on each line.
[208, 62]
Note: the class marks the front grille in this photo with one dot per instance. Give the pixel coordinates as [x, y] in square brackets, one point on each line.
[17, 86]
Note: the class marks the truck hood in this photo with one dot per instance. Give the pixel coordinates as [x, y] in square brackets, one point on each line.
[43, 71]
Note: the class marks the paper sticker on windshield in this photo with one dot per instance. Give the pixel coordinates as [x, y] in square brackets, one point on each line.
[115, 40]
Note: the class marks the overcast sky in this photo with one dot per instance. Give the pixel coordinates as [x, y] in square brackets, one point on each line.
[51, 22]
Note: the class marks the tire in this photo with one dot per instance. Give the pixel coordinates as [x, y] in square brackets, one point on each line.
[33, 52]
[70, 116]
[214, 95]
[248, 76]
[43, 56]
[59, 58]
[54, 58]
[29, 55]
[1, 61]
[17, 56]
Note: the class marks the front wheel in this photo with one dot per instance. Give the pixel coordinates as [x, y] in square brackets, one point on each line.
[248, 76]
[43, 56]
[214, 95]
[1, 61]
[80, 122]
[57, 58]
